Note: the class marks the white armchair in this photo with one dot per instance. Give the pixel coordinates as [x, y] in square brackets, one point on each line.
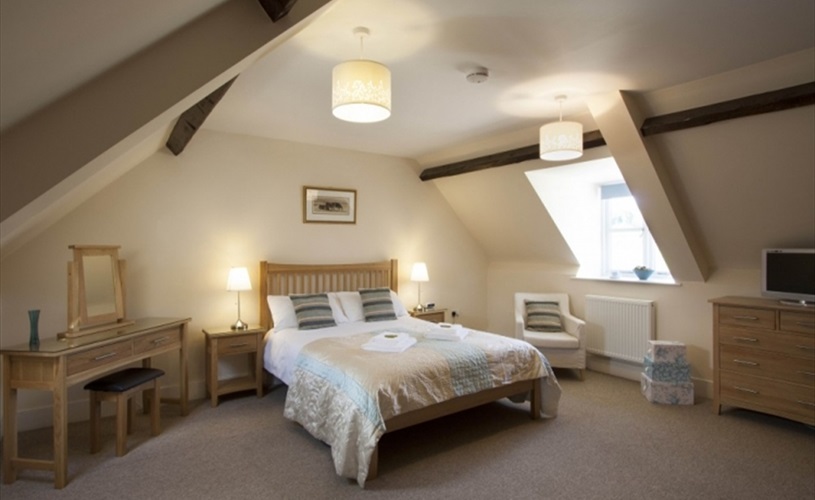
[565, 349]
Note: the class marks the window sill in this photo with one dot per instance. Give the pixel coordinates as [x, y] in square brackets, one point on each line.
[629, 281]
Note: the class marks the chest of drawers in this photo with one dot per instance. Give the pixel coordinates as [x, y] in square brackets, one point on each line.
[764, 357]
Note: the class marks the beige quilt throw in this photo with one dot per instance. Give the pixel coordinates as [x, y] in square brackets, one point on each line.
[343, 394]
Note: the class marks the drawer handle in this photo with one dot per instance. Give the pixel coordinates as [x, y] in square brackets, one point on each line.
[805, 347]
[161, 340]
[244, 344]
[744, 389]
[746, 318]
[805, 403]
[809, 374]
[745, 362]
[745, 339]
[105, 356]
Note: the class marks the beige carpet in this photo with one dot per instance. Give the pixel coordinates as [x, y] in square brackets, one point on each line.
[608, 442]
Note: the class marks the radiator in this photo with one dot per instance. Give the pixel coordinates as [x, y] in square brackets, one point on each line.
[619, 328]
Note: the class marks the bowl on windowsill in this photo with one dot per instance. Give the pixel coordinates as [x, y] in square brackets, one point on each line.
[643, 273]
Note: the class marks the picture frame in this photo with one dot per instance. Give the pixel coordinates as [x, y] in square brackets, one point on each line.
[329, 205]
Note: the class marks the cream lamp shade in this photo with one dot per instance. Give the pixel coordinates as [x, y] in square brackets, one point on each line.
[419, 272]
[361, 89]
[561, 140]
[238, 280]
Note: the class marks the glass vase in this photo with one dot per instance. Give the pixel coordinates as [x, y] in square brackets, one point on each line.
[34, 332]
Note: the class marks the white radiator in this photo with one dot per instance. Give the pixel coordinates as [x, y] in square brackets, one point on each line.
[619, 328]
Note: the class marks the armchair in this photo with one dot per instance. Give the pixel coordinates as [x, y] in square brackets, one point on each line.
[563, 349]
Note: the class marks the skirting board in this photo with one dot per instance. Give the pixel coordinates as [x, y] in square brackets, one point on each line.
[78, 410]
[631, 371]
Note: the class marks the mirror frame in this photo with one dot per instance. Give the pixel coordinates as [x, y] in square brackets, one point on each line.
[79, 321]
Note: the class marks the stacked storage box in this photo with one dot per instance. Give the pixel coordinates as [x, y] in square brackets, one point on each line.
[666, 378]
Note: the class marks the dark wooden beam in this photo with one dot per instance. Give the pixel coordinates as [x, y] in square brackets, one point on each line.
[277, 9]
[191, 120]
[767, 102]
[591, 139]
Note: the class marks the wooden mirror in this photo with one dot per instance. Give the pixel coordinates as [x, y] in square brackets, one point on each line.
[96, 290]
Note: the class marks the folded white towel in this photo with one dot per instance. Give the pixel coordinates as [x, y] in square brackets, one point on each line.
[389, 342]
[442, 332]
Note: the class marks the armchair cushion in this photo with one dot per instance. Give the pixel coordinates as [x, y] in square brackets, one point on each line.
[543, 316]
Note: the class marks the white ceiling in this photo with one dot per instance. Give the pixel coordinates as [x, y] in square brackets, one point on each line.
[534, 50]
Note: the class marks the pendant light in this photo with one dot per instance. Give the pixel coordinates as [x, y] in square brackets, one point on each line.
[561, 140]
[361, 89]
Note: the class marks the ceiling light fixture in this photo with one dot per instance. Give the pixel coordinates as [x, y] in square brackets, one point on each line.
[561, 140]
[361, 89]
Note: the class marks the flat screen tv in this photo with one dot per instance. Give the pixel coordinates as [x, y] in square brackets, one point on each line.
[788, 274]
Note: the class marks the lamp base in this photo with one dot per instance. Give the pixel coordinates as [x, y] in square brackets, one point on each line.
[239, 325]
[419, 308]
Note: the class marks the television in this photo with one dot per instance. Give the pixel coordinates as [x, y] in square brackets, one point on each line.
[788, 274]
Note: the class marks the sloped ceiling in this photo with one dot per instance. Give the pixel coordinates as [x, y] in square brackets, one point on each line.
[534, 50]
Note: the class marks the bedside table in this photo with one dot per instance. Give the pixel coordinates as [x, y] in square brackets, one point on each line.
[226, 342]
[434, 315]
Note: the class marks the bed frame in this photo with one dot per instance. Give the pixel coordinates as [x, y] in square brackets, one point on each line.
[285, 279]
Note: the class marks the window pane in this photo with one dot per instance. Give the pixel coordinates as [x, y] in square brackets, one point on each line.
[626, 250]
[624, 214]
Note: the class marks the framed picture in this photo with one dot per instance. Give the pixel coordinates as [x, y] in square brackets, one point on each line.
[329, 205]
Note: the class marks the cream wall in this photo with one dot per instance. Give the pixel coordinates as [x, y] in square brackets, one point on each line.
[683, 311]
[234, 201]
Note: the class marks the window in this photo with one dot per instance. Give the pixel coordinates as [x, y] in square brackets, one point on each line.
[625, 239]
[599, 218]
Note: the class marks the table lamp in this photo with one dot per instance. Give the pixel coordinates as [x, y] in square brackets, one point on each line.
[419, 274]
[238, 281]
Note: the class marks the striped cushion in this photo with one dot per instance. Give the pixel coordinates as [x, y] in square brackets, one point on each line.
[377, 304]
[543, 316]
[313, 311]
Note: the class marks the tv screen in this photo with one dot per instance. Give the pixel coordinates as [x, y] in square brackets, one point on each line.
[789, 274]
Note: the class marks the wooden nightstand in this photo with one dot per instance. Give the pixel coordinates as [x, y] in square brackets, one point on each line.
[434, 315]
[226, 342]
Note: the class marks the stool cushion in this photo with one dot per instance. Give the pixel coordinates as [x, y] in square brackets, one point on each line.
[124, 380]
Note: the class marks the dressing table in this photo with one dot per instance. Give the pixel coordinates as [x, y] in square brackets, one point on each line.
[99, 340]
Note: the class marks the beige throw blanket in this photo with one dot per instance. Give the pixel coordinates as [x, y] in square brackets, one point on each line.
[343, 394]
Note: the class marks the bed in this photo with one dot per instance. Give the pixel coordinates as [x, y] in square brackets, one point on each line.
[348, 397]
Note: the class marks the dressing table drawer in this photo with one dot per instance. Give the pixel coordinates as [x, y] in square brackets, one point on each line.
[100, 356]
[159, 342]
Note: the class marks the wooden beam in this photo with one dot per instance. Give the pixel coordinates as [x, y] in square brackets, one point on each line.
[277, 9]
[767, 102]
[191, 120]
[777, 100]
[591, 139]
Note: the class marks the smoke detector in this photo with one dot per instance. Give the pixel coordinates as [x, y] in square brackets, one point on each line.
[478, 75]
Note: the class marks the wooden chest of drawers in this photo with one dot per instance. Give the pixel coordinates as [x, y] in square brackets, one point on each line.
[764, 357]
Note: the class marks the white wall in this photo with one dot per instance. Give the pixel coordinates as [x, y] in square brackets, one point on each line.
[234, 200]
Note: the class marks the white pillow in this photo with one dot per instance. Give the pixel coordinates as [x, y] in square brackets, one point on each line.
[336, 308]
[283, 314]
[398, 307]
[351, 304]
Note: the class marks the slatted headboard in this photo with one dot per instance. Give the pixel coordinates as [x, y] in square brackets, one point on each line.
[286, 279]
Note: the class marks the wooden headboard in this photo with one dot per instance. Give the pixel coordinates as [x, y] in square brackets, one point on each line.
[286, 279]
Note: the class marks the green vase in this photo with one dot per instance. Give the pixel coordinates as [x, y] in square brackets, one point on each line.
[34, 332]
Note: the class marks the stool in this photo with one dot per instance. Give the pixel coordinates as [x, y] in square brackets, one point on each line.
[119, 387]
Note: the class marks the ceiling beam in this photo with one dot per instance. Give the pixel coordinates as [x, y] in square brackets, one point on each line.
[591, 139]
[767, 102]
[277, 9]
[191, 120]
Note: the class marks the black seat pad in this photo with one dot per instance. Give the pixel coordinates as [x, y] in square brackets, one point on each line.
[124, 380]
